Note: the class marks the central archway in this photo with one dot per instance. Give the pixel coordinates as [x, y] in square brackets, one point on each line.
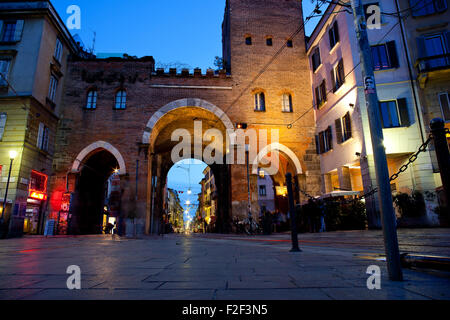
[186, 115]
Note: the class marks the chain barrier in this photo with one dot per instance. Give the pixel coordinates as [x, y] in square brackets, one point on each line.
[402, 169]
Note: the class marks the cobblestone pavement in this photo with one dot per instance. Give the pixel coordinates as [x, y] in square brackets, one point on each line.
[217, 267]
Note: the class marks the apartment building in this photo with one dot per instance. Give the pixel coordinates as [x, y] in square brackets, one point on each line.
[343, 136]
[34, 47]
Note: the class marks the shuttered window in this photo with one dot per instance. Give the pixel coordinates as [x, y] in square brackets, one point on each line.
[333, 34]
[315, 59]
[338, 75]
[343, 128]
[395, 113]
[384, 56]
[321, 94]
[324, 141]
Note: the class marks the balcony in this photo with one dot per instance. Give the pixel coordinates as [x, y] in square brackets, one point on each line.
[433, 63]
[433, 67]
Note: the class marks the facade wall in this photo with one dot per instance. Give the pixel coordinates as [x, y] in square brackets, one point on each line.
[392, 84]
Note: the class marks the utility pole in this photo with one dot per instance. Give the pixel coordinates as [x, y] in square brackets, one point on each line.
[379, 152]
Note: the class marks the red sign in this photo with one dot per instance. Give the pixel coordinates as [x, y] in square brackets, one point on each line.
[38, 195]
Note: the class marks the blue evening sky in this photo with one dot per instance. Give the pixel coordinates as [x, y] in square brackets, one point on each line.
[172, 31]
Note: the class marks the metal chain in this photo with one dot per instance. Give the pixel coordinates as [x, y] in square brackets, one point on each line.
[402, 169]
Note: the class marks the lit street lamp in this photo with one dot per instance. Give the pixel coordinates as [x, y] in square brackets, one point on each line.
[12, 156]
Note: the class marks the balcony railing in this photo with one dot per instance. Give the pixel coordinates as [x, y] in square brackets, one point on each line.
[433, 63]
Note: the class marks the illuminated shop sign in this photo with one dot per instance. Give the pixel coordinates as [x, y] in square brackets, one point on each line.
[38, 186]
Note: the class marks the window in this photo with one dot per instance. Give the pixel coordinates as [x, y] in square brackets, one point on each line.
[343, 128]
[248, 40]
[91, 99]
[394, 113]
[321, 94]
[260, 101]
[262, 191]
[426, 7]
[58, 50]
[324, 141]
[289, 43]
[433, 51]
[269, 41]
[52, 89]
[384, 56]
[333, 34]
[43, 137]
[4, 70]
[9, 30]
[121, 99]
[315, 59]
[444, 101]
[338, 75]
[286, 102]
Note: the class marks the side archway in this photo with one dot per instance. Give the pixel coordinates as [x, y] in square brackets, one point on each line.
[98, 146]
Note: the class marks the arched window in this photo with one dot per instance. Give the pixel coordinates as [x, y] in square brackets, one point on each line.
[286, 102]
[91, 102]
[121, 99]
[260, 101]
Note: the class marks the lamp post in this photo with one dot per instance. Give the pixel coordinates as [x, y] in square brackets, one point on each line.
[247, 150]
[12, 156]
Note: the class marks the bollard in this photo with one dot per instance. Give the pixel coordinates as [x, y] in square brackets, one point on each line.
[437, 126]
[294, 236]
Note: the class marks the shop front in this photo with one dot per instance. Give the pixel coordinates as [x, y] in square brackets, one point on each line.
[36, 203]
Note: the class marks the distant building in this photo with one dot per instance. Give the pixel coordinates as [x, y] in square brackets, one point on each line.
[175, 210]
[266, 192]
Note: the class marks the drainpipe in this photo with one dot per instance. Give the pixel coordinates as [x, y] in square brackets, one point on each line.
[411, 78]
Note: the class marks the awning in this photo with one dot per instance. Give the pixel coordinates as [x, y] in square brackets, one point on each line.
[335, 194]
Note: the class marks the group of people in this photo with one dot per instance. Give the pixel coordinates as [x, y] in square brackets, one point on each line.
[275, 221]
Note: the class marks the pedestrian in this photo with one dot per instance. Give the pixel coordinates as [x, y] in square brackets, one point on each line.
[162, 225]
[114, 231]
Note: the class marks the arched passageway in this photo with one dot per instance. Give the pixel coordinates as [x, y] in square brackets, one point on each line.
[91, 192]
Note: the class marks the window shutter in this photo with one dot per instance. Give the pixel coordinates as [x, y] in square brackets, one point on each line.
[330, 137]
[338, 124]
[341, 71]
[441, 5]
[1, 28]
[392, 52]
[336, 31]
[19, 29]
[421, 49]
[321, 142]
[403, 111]
[39, 137]
[348, 125]
[317, 144]
[447, 39]
[333, 79]
[317, 98]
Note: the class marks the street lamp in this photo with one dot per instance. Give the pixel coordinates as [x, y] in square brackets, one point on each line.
[12, 156]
